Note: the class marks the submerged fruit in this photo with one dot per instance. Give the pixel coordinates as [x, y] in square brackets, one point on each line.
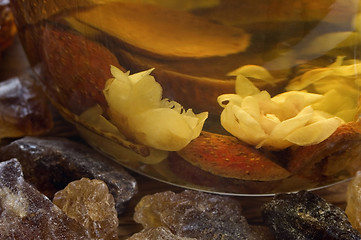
[340, 153]
[161, 31]
[228, 157]
[75, 77]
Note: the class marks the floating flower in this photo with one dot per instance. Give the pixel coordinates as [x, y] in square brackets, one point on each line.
[137, 109]
[339, 83]
[276, 122]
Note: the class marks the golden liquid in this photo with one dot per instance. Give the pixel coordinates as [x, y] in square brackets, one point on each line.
[194, 45]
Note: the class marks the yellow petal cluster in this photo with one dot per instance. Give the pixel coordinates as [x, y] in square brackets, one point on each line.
[276, 122]
[339, 83]
[137, 109]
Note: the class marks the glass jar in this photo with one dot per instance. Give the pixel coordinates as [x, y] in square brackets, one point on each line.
[239, 97]
[7, 26]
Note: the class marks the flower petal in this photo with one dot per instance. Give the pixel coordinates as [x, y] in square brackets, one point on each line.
[146, 94]
[242, 125]
[308, 78]
[245, 87]
[253, 71]
[286, 127]
[251, 106]
[137, 109]
[224, 99]
[165, 129]
[315, 132]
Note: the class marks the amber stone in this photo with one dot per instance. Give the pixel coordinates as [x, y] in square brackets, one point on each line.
[25, 213]
[157, 233]
[51, 163]
[305, 215]
[90, 204]
[24, 109]
[354, 201]
[194, 214]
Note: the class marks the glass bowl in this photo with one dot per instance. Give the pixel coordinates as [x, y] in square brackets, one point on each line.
[245, 98]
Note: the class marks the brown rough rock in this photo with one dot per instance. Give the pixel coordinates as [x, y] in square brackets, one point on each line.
[24, 109]
[51, 163]
[27, 214]
[157, 233]
[354, 202]
[194, 214]
[305, 215]
[90, 204]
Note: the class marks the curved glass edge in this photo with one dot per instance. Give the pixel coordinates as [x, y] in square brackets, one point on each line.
[110, 148]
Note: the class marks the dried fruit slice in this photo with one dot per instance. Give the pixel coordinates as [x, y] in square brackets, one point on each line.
[228, 157]
[340, 152]
[165, 32]
[75, 77]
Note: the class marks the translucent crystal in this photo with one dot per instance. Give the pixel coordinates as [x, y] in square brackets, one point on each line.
[305, 215]
[157, 233]
[51, 163]
[90, 203]
[24, 109]
[354, 202]
[28, 214]
[194, 214]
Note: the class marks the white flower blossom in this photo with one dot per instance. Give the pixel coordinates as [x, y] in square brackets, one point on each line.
[276, 122]
[339, 83]
[137, 109]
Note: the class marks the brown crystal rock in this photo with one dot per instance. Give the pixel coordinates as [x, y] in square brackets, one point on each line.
[28, 214]
[194, 214]
[305, 215]
[354, 201]
[90, 204]
[157, 233]
[24, 109]
[51, 163]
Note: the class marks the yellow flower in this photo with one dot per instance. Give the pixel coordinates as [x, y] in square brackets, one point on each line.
[339, 83]
[276, 122]
[137, 109]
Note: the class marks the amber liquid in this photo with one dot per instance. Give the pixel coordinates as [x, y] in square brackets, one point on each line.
[190, 41]
[193, 45]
